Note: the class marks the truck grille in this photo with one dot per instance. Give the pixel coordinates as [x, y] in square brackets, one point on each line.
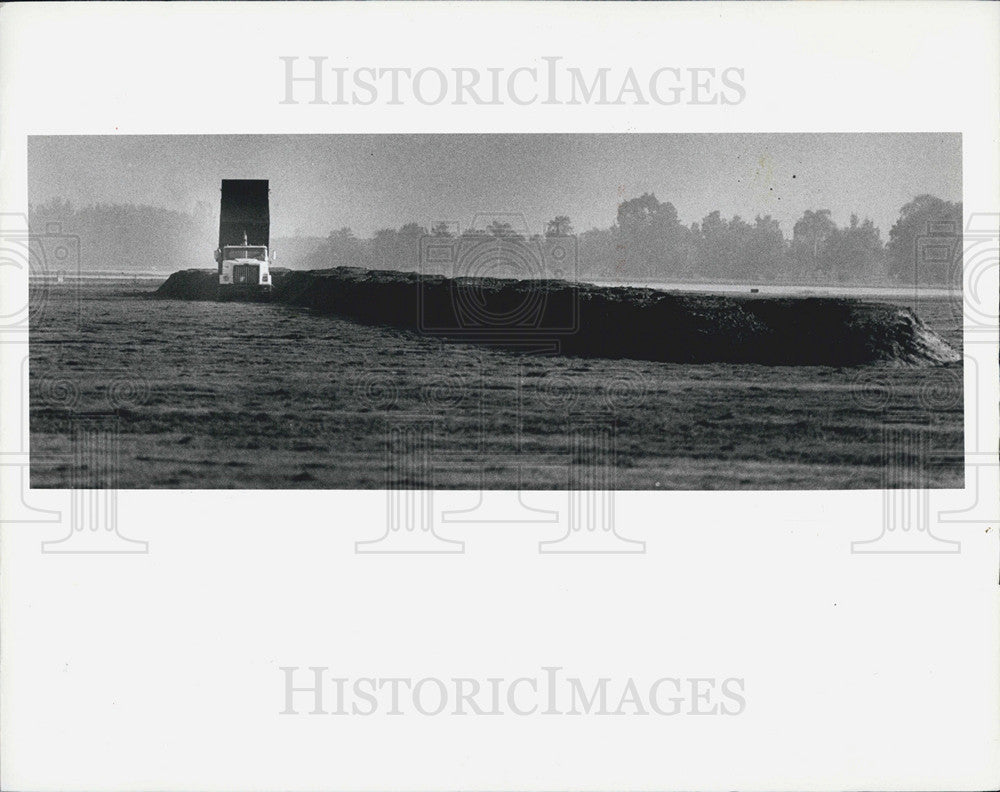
[246, 273]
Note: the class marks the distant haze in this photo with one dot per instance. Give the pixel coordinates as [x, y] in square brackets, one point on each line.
[368, 182]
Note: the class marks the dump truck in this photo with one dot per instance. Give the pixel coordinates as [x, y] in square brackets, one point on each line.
[244, 236]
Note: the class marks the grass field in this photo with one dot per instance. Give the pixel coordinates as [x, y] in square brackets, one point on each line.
[244, 395]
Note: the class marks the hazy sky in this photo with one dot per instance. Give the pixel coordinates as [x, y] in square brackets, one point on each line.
[321, 182]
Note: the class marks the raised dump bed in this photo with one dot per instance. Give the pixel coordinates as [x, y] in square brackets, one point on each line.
[610, 322]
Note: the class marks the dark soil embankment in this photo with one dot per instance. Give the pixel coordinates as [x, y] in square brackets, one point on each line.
[608, 322]
[202, 284]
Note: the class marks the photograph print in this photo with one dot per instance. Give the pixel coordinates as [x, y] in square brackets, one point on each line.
[496, 311]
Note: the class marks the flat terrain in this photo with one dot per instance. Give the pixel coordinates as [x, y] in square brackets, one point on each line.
[246, 395]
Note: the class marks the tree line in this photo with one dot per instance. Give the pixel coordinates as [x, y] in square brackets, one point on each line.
[129, 237]
[646, 242]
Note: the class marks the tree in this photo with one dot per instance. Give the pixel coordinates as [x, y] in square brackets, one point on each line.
[408, 246]
[383, 247]
[925, 219]
[809, 235]
[655, 244]
[813, 229]
[763, 252]
[855, 253]
[344, 249]
[645, 208]
[713, 251]
[413, 230]
[500, 229]
[558, 226]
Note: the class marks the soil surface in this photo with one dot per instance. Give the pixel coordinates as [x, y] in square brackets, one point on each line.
[205, 394]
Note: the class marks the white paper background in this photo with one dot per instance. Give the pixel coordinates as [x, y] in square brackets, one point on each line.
[159, 671]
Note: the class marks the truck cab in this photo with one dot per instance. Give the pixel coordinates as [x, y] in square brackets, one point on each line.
[244, 265]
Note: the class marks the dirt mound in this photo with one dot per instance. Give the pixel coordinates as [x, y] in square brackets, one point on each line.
[609, 322]
[201, 284]
[190, 284]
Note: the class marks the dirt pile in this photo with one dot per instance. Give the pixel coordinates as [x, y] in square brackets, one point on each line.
[201, 284]
[608, 322]
[190, 284]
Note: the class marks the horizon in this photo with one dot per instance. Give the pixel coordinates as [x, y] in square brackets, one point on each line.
[370, 182]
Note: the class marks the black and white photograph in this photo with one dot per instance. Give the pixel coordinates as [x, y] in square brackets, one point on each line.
[499, 396]
[519, 311]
